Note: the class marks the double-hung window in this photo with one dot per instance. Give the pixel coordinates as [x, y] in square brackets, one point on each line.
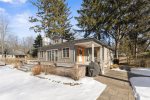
[65, 52]
[49, 55]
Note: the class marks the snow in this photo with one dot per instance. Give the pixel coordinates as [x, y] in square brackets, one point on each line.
[141, 71]
[18, 85]
[141, 86]
[118, 69]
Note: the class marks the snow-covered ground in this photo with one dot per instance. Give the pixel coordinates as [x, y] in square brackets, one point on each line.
[141, 86]
[18, 85]
[141, 71]
[118, 69]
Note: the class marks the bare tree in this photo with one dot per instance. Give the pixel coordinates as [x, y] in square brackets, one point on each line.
[3, 30]
[27, 43]
[13, 42]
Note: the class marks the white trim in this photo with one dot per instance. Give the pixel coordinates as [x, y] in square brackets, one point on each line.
[93, 52]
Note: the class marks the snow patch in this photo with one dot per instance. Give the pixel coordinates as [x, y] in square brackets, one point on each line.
[141, 71]
[141, 86]
[18, 85]
[118, 69]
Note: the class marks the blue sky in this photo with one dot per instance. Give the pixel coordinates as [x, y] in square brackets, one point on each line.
[19, 11]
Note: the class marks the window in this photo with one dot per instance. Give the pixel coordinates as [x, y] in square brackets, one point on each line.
[49, 55]
[56, 55]
[65, 53]
[53, 55]
[88, 54]
[56, 41]
[41, 54]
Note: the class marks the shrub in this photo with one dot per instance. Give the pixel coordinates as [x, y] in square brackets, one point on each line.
[36, 70]
[114, 66]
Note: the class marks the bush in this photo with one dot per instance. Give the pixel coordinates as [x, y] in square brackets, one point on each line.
[36, 70]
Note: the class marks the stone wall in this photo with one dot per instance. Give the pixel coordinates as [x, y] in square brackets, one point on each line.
[75, 72]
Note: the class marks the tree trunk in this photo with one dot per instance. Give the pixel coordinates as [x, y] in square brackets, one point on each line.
[135, 52]
[116, 50]
[98, 35]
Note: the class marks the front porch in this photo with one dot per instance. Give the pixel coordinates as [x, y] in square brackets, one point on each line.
[88, 52]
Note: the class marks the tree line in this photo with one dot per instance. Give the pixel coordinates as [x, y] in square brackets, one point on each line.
[10, 42]
[125, 22]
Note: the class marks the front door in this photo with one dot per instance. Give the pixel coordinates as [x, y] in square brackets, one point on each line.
[81, 55]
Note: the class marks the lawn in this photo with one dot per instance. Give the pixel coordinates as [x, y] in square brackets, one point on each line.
[18, 85]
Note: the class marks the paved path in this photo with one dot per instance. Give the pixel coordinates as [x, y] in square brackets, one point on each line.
[118, 86]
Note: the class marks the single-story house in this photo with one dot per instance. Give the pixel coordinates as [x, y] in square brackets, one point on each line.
[82, 52]
[13, 54]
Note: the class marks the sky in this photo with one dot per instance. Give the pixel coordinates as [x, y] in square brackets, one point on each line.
[18, 12]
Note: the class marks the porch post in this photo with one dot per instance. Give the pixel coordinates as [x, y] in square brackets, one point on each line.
[101, 60]
[46, 56]
[74, 54]
[93, 52]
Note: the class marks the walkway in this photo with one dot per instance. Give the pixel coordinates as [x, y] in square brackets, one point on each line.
[118, 86]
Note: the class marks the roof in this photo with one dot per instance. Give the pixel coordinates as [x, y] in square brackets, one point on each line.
[15, 52]
[73, 42]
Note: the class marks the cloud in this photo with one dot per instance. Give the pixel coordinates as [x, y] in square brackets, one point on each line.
[20, 24]
[14, 1]
[2, 10]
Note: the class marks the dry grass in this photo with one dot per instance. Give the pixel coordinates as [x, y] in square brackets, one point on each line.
[75, 72]
[114, 66]
[17, 63]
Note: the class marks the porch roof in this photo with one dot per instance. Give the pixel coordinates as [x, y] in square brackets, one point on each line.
[88, 44]
[82, 42]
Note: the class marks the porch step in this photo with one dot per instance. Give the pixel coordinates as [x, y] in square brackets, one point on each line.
[23, 69]
[29, 67]
[26, 68]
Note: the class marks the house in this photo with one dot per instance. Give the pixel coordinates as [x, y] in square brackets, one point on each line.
[45, 41]
[13, 54]
[82, 52]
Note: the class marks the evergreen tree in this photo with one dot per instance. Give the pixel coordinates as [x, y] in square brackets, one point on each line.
[36, 45]
[118, 18]
[140, 26]
[53, 18]
[89, 15]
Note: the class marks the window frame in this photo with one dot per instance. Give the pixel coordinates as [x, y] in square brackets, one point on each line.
[66, 53]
